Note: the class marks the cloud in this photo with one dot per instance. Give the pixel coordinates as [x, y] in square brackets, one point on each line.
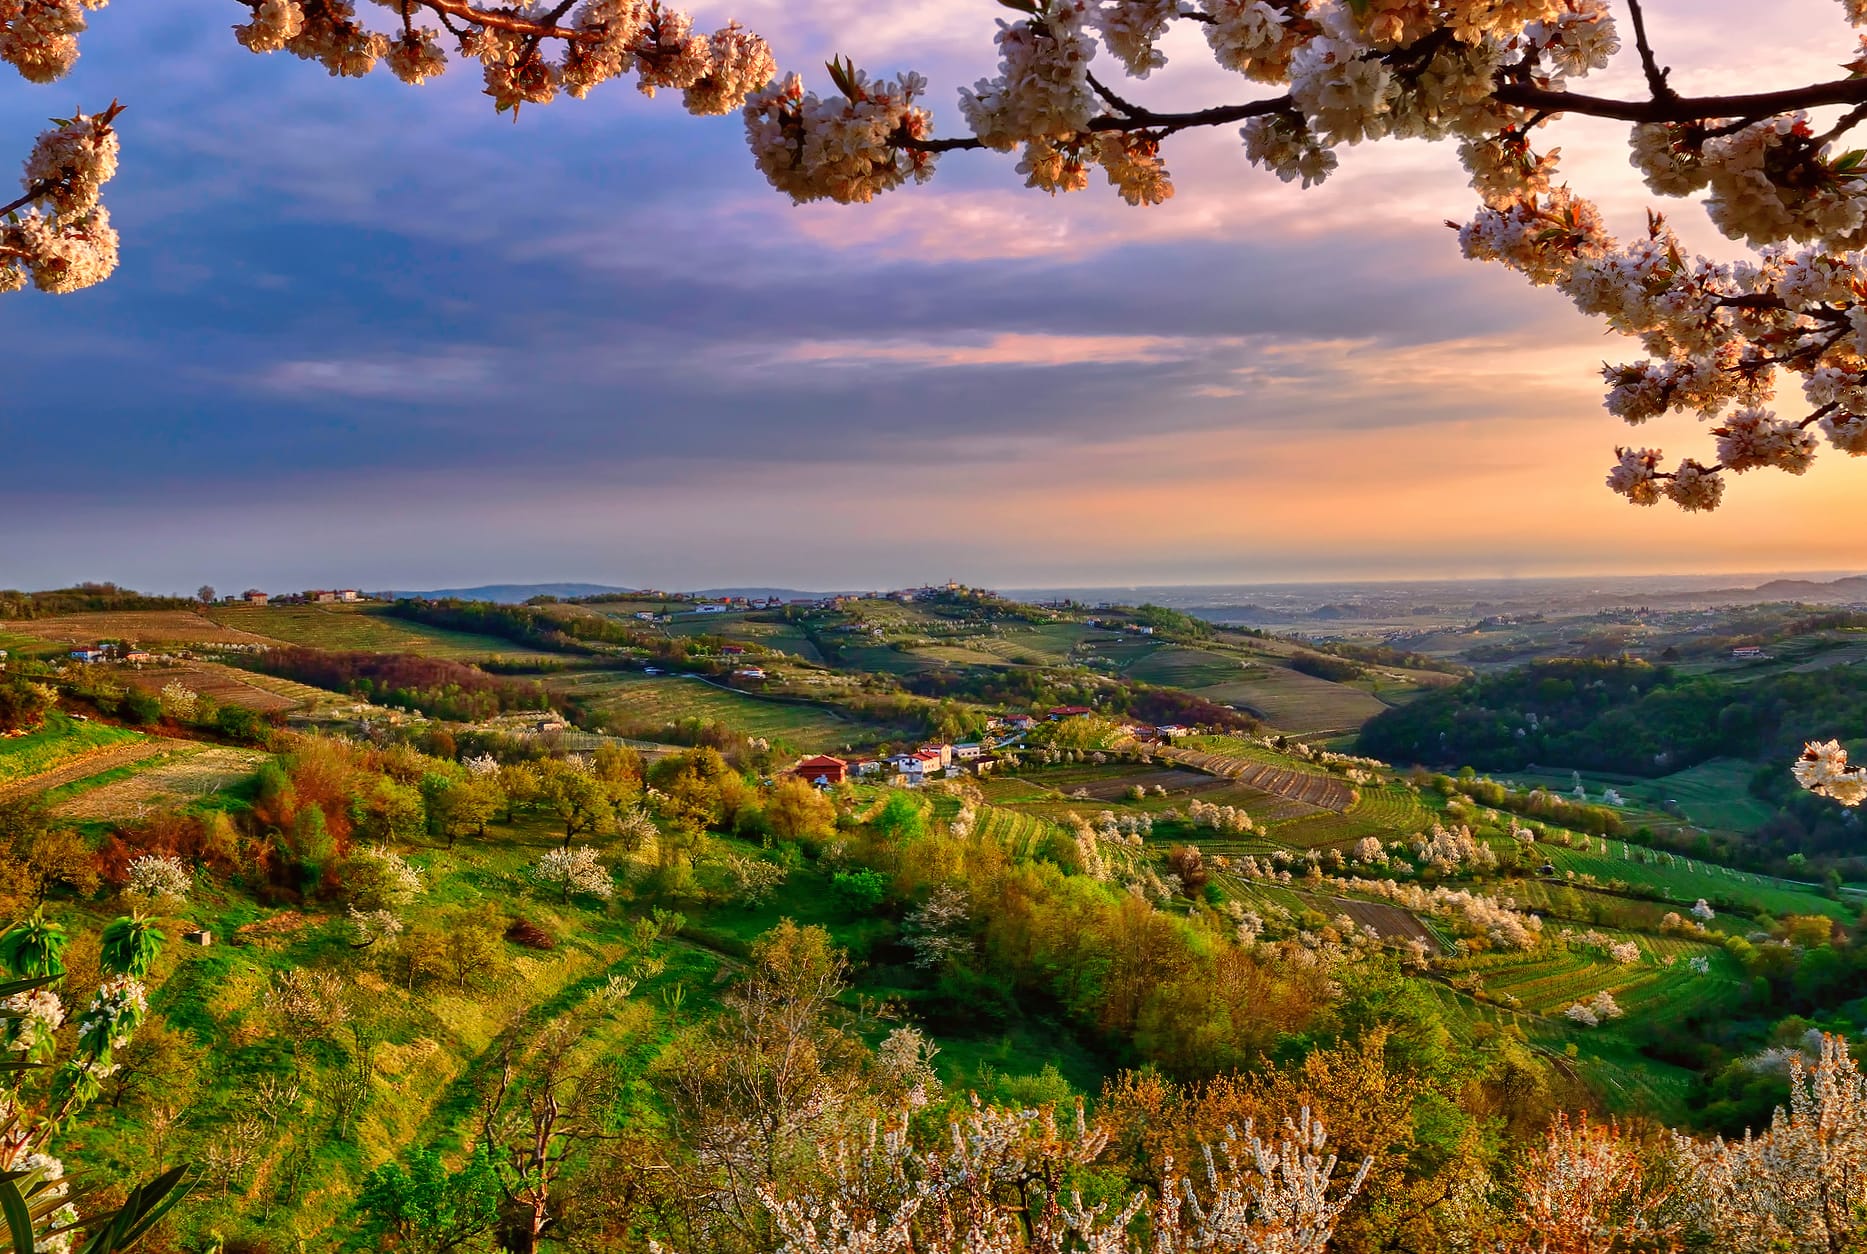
[1009, 349]
[412, 378]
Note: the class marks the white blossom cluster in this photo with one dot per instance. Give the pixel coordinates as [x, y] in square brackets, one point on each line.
[160, 880]
[1445, 850]
[1793, 1186]
[369, 926]
[578, 870]
[601, 40]
[1625, 952]
[112, 1017]
[39, 38]
[33, 1018]
[1250, 1194]
[59, 237]
[1823, 769]
[381, 879]
[841, 148]
[752, 881]
[179, 701]
[1220, 818]
[1496, 918]
[1595, 1011]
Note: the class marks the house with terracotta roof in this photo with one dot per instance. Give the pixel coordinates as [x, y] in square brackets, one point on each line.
[1060, 712]
[822, 770]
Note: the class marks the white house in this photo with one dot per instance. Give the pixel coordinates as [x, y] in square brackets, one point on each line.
[969, 751]
[711, 609]
[917, 767]
[750, 672]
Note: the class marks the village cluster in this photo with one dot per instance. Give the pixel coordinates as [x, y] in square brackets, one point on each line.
[943, 761]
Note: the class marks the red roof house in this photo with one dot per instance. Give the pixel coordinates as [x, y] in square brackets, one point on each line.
[822, 770]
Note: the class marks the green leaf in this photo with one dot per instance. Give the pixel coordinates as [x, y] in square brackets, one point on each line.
[18, 1217]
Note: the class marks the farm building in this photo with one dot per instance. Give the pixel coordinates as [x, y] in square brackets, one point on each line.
[750, 672]
[822, 770]
[1061, 712]
[253, 596]
[1019, 722]
[1747, 652]
[916, 767]
[87, 655]
[969, 751]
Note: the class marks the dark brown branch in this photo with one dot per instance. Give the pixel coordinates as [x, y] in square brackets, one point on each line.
[1842, 91]
[1656, 77]
[1542, 100]
[32, 193]
[1114, 101]
[499, 20]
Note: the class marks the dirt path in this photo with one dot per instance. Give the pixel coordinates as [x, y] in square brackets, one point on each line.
[89, 764]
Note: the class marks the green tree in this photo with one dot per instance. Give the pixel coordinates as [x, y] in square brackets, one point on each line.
[24, 705]
[465, 805]
[429, 1209]
[582, 802]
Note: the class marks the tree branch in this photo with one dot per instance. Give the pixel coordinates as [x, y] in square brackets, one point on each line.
[32, 193]
[1843, 91]
[1541, 100]
[1656, 77]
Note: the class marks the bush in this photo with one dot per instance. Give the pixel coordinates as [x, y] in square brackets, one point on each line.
[859, 892]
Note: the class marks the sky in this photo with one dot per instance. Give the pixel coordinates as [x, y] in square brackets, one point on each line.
[371, 335]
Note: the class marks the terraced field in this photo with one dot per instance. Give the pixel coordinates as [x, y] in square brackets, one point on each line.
[1393, 807]
[1549, 981]
[1311, 787]
[653, 701]
[228, 686]
[1685, 880]
[1023, 835]
[365, 629]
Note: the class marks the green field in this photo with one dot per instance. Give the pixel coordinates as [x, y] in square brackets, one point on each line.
[1684, 880]
[1294, 702]
[743, 629]
[1177, 667]
[366, 629]
[658, 700]
[59, 741]
[1713, 795]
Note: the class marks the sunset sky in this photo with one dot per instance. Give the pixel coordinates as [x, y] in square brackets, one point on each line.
[374, 335]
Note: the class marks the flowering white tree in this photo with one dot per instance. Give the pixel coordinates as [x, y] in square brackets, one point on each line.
[161, 881]
[1795, 1187]
[575, 871]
